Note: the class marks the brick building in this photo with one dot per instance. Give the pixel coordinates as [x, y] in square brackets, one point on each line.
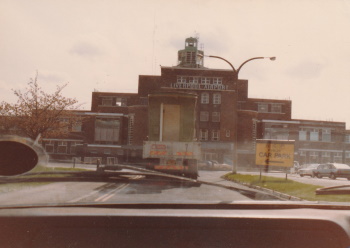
[117, 125]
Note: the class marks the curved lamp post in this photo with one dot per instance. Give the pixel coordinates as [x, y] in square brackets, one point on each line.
[236, 72]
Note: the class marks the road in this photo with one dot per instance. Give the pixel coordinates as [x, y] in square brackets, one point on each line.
[124, 189]
[136, 188]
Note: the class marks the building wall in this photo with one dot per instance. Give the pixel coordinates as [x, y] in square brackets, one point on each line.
[274, 109]
[113, 102]
[140, 125]
[315, 141]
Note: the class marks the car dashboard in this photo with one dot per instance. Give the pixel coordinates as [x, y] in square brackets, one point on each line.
[175, 226]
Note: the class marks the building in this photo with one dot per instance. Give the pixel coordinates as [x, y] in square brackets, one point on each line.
[226, 118]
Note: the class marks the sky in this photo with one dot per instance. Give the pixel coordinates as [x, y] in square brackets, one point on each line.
[105, 45]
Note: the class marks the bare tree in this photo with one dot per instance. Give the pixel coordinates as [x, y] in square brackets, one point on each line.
[39, 113]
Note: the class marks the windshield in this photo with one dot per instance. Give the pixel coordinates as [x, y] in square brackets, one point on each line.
[186, 102]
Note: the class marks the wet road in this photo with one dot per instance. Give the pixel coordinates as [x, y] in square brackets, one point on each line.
[132, 189]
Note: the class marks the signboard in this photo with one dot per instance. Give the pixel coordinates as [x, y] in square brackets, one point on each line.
[274, 152]
[168, 149]
[196, 86]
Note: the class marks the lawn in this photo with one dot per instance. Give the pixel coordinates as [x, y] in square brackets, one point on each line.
[289, 187]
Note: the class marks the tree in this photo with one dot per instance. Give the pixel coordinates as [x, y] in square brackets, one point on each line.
[39, 113]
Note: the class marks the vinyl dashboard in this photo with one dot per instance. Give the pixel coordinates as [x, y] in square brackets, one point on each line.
[169, 226]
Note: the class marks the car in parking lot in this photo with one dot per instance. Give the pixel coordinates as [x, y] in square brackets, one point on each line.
[309, 170]
[333, 170]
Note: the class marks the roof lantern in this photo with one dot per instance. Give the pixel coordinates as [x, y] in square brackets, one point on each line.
[191, 56]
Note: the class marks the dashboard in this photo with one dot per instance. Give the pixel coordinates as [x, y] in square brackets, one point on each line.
[173, 226]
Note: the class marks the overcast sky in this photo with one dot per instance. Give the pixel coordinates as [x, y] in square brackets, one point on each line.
[106, 44]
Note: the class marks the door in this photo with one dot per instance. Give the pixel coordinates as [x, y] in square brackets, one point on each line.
[171, 122]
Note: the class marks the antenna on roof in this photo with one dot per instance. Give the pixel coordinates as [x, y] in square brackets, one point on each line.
[154, 59]
[196, 35]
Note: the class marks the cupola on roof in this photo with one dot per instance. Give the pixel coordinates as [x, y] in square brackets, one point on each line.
[191, 56]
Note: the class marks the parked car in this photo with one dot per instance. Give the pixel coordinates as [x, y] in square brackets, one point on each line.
[309, 170]
[333, 170]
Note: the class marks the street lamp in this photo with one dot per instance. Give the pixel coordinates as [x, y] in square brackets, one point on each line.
[235, 77]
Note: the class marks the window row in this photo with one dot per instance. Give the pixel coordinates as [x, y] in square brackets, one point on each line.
[205, 98]
[269, 107]
[113, 101]
[315, 134]
[204, 116]
[215, 134]
[322, 156]
[60, 147]
[199, 80]
[204, 135]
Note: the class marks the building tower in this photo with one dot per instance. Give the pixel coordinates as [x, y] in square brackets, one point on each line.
[191, 57]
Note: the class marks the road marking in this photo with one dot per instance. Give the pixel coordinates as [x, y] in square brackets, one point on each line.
[110, 194]
[84, 196]
[91, 193]
[136, 177]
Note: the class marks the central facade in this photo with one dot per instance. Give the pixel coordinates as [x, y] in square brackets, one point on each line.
[225, 116]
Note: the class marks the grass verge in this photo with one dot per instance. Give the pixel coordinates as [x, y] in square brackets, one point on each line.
[9, 187]
[289, 187]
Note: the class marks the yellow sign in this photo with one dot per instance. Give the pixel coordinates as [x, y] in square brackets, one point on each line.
[274, 153]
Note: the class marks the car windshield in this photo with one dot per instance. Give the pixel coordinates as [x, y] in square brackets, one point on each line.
[183, 101]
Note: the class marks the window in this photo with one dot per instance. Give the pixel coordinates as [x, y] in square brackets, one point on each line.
[120, 101]
[338, 157]
[131, 129]
[144, 100]
[215, 135]
[181, 79]
[107, 130]
[205, 80]
[314, 135]
[227, 133]
[204, 116]
[313, 156]
[73, 146]
[49, 146]
[76, 127]
[325, 157]
[326, 154]
[302, 153]
[190, 57]
[216, 98]
[205, 98]
[263, 107]
[203, 134]
[276, 108]
[194, 80]
[217, 80]
[347, 138]
[215, 117]
[210, 156]
[107, 101]
[326, 135]
[303, 135]
[62, 147]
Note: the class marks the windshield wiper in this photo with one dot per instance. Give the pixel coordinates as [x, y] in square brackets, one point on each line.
[257, 195]
[335, 190]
